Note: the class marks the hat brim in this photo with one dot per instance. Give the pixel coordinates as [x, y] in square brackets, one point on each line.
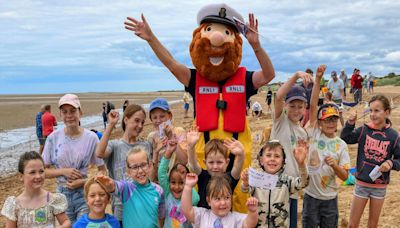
[220, 20]
[301, 98]
[68, 103]
[329, 115]
[162, 108]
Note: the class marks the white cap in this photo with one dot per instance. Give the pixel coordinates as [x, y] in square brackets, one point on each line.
[70, 99]
[220, 13]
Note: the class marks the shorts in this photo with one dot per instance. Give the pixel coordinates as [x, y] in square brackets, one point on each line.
[367, 192]
[42, 140]
[186, 106]
[76, 202]
[269, 101]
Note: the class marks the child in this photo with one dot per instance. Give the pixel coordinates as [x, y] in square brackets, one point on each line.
[161, 117]
[142, 200]
[329, 100]
[219, 197]
[216, 160]
[114, 152]
[287, 129]
[378, 146]
[273, 205]
[173, 187]
[70, 150]
[34, 207]
[328, 158]
[269, 99]
[97, 199]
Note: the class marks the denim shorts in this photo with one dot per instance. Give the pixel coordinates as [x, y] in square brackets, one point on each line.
[76, 202]
[367, 192]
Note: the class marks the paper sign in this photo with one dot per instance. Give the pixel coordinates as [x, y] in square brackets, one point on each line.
[262, 180]
[375, 173]
[162, 126]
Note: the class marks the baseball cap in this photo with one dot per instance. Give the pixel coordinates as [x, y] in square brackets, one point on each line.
[159, 103]
[296, 93]
[328, 110]
[70, 99]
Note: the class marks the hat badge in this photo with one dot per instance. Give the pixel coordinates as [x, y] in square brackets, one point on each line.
[222, 12]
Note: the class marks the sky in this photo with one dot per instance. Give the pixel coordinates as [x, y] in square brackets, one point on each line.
[82, 46]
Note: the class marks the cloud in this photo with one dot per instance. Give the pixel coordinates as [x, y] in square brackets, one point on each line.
[86, 38]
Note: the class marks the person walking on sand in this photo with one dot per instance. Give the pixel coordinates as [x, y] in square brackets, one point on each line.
[104, 115]
[186, 100]
[39, 128]
[343, 76]
[48, 122]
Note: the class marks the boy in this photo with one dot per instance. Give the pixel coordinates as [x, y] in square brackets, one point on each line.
[216, 161]
[287, 129]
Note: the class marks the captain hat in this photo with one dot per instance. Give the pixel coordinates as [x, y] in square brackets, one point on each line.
[221, 13]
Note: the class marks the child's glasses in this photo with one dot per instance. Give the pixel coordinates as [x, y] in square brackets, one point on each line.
[142, 166]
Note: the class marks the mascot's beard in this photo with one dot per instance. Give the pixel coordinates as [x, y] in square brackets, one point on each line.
[201, 51]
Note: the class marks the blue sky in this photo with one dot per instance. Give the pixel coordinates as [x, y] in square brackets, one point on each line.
[82, 46]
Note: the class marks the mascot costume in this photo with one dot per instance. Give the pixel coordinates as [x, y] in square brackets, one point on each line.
[219, 86]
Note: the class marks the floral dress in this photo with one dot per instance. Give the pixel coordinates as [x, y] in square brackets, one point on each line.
[42, 217]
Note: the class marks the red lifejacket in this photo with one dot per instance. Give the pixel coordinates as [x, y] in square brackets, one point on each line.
[233, 93]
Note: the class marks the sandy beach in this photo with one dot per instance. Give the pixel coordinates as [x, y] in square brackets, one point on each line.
[19, 111]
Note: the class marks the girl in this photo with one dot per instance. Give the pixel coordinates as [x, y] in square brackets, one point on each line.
[34, 207]
[219, 197]
[67, 154]
[115, 151]
[274, 204]
[378, 148]
[173, 187]
[142, 200]
[97, 199]
[161, 117]
[328, 159]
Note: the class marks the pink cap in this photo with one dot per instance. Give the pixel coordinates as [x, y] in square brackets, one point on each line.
[70, 99]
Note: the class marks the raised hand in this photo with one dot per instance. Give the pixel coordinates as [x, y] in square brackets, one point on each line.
[245, 177]
[191, 179]
[171, 148]
[330, 161]
[113, 117]
[301, 151]
[320, 71]
[252, 32]
[234, 146]
[193, 136]
[251, 204]
[72, 174]
[307, 78]
[141, 28]
[352, 118]
[107, 182]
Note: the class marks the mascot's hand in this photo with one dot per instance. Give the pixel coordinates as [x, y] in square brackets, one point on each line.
[252, 32]
[141, 29]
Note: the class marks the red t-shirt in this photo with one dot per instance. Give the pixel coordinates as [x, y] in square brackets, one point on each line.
[48, 121]
[356, 81]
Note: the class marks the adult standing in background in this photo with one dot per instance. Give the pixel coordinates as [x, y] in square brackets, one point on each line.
[356, 81]
[186, 99]
[104, 115]
[39, 128]
[335, 86]
[269, 99]
[370, 83]
[343, 76]
[126, 103]
[48, 121]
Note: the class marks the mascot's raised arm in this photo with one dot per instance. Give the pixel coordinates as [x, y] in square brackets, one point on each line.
[220, 87]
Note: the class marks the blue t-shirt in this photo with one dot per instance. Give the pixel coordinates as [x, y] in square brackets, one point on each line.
[108, 221]
[143, 205]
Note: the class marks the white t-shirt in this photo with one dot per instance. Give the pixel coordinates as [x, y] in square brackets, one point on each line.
[288, 133]
[336, 88]
[62, 151]
[256, 106]
[204, 218]
[322, 184]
